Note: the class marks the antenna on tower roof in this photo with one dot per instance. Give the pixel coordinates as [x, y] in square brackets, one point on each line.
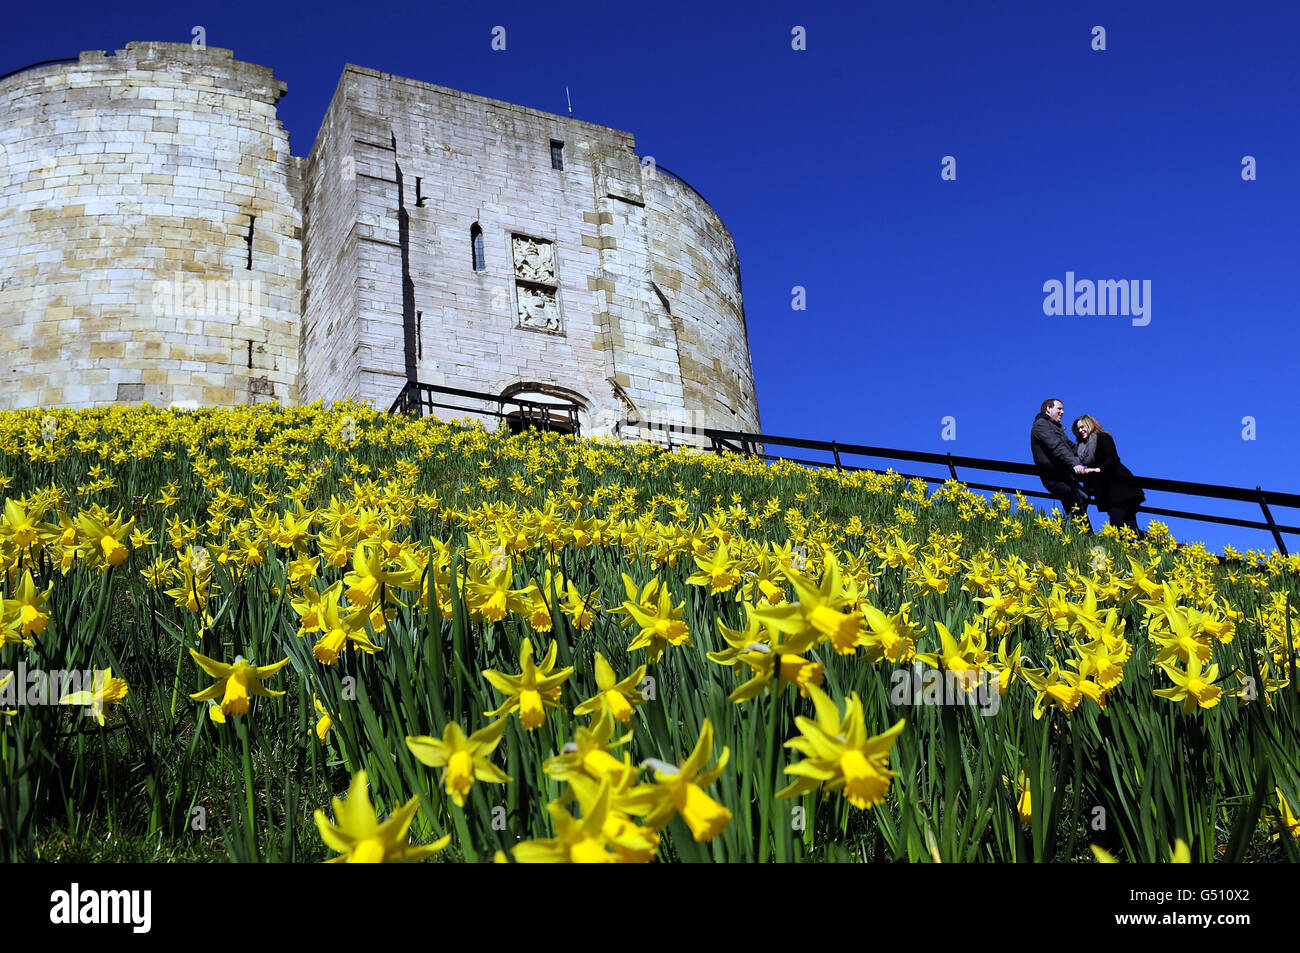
[570, 101]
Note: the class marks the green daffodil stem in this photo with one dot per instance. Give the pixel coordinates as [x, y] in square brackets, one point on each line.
[250, 831]
[458, 627]
[433, 642]
[539, 774]
[462, 835]
[659, 731]
[103, 766]
[770, 762]
[176, 682]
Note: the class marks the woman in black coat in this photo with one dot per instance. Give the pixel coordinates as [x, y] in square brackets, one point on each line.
[1115, 490]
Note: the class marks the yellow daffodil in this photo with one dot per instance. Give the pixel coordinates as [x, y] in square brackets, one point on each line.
[1053, 688]
[32, 617]
[102, 537]
[535, 609]
[368, 577]
[631, 842]
[1005, 666]
[818, 611]
[106, 690]
[533, 690]
[889, 637]
[462, 759]
[838, 753]
[488, 593]
[1181, 854]
[965, 659]
[1287, 816]
[718, 571]
[577, 841]
[681, 790]
[325, 722]
[359, 836]
[581, 609]
[235, 683]
[339, 630]
[22, 524]
[767, 661]
[1024, 799]
[616, 697]
[591, 754]
[661, 625]
[1194, 687]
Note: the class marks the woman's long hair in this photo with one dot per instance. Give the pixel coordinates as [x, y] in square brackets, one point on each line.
[1091, 421]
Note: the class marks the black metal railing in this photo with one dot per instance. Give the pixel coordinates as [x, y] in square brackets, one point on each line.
[754, 444]
[672, 174]
[24, 69]
[417, 399]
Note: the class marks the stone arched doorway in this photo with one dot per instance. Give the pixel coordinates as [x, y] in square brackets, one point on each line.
[543, 406]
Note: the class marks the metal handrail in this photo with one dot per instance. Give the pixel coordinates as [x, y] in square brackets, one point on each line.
[734, 441]
[674, 175]
[24, 69]
[415, 397]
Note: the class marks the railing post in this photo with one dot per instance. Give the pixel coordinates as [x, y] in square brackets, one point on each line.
[836, 450]
[1268, 518]
[952, 469]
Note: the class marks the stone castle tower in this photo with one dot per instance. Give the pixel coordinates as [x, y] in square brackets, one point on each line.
[159, 242]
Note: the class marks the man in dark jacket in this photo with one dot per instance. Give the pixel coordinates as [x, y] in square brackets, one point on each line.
[1057, 462]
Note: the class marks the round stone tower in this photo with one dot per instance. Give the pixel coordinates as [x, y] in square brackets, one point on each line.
[150, 244]
[693, 260]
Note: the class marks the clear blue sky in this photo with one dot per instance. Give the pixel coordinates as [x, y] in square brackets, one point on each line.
[924, 297]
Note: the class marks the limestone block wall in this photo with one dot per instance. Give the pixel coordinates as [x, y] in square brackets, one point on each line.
[696, 270]
[640, 337]
[128, 187]
[563, 300]
[329, 333]
[431, 164]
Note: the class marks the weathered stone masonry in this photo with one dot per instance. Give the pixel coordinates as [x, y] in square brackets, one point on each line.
[605, 281]
[127, 191]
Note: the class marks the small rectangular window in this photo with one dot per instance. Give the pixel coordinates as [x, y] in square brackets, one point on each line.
[557, 155]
